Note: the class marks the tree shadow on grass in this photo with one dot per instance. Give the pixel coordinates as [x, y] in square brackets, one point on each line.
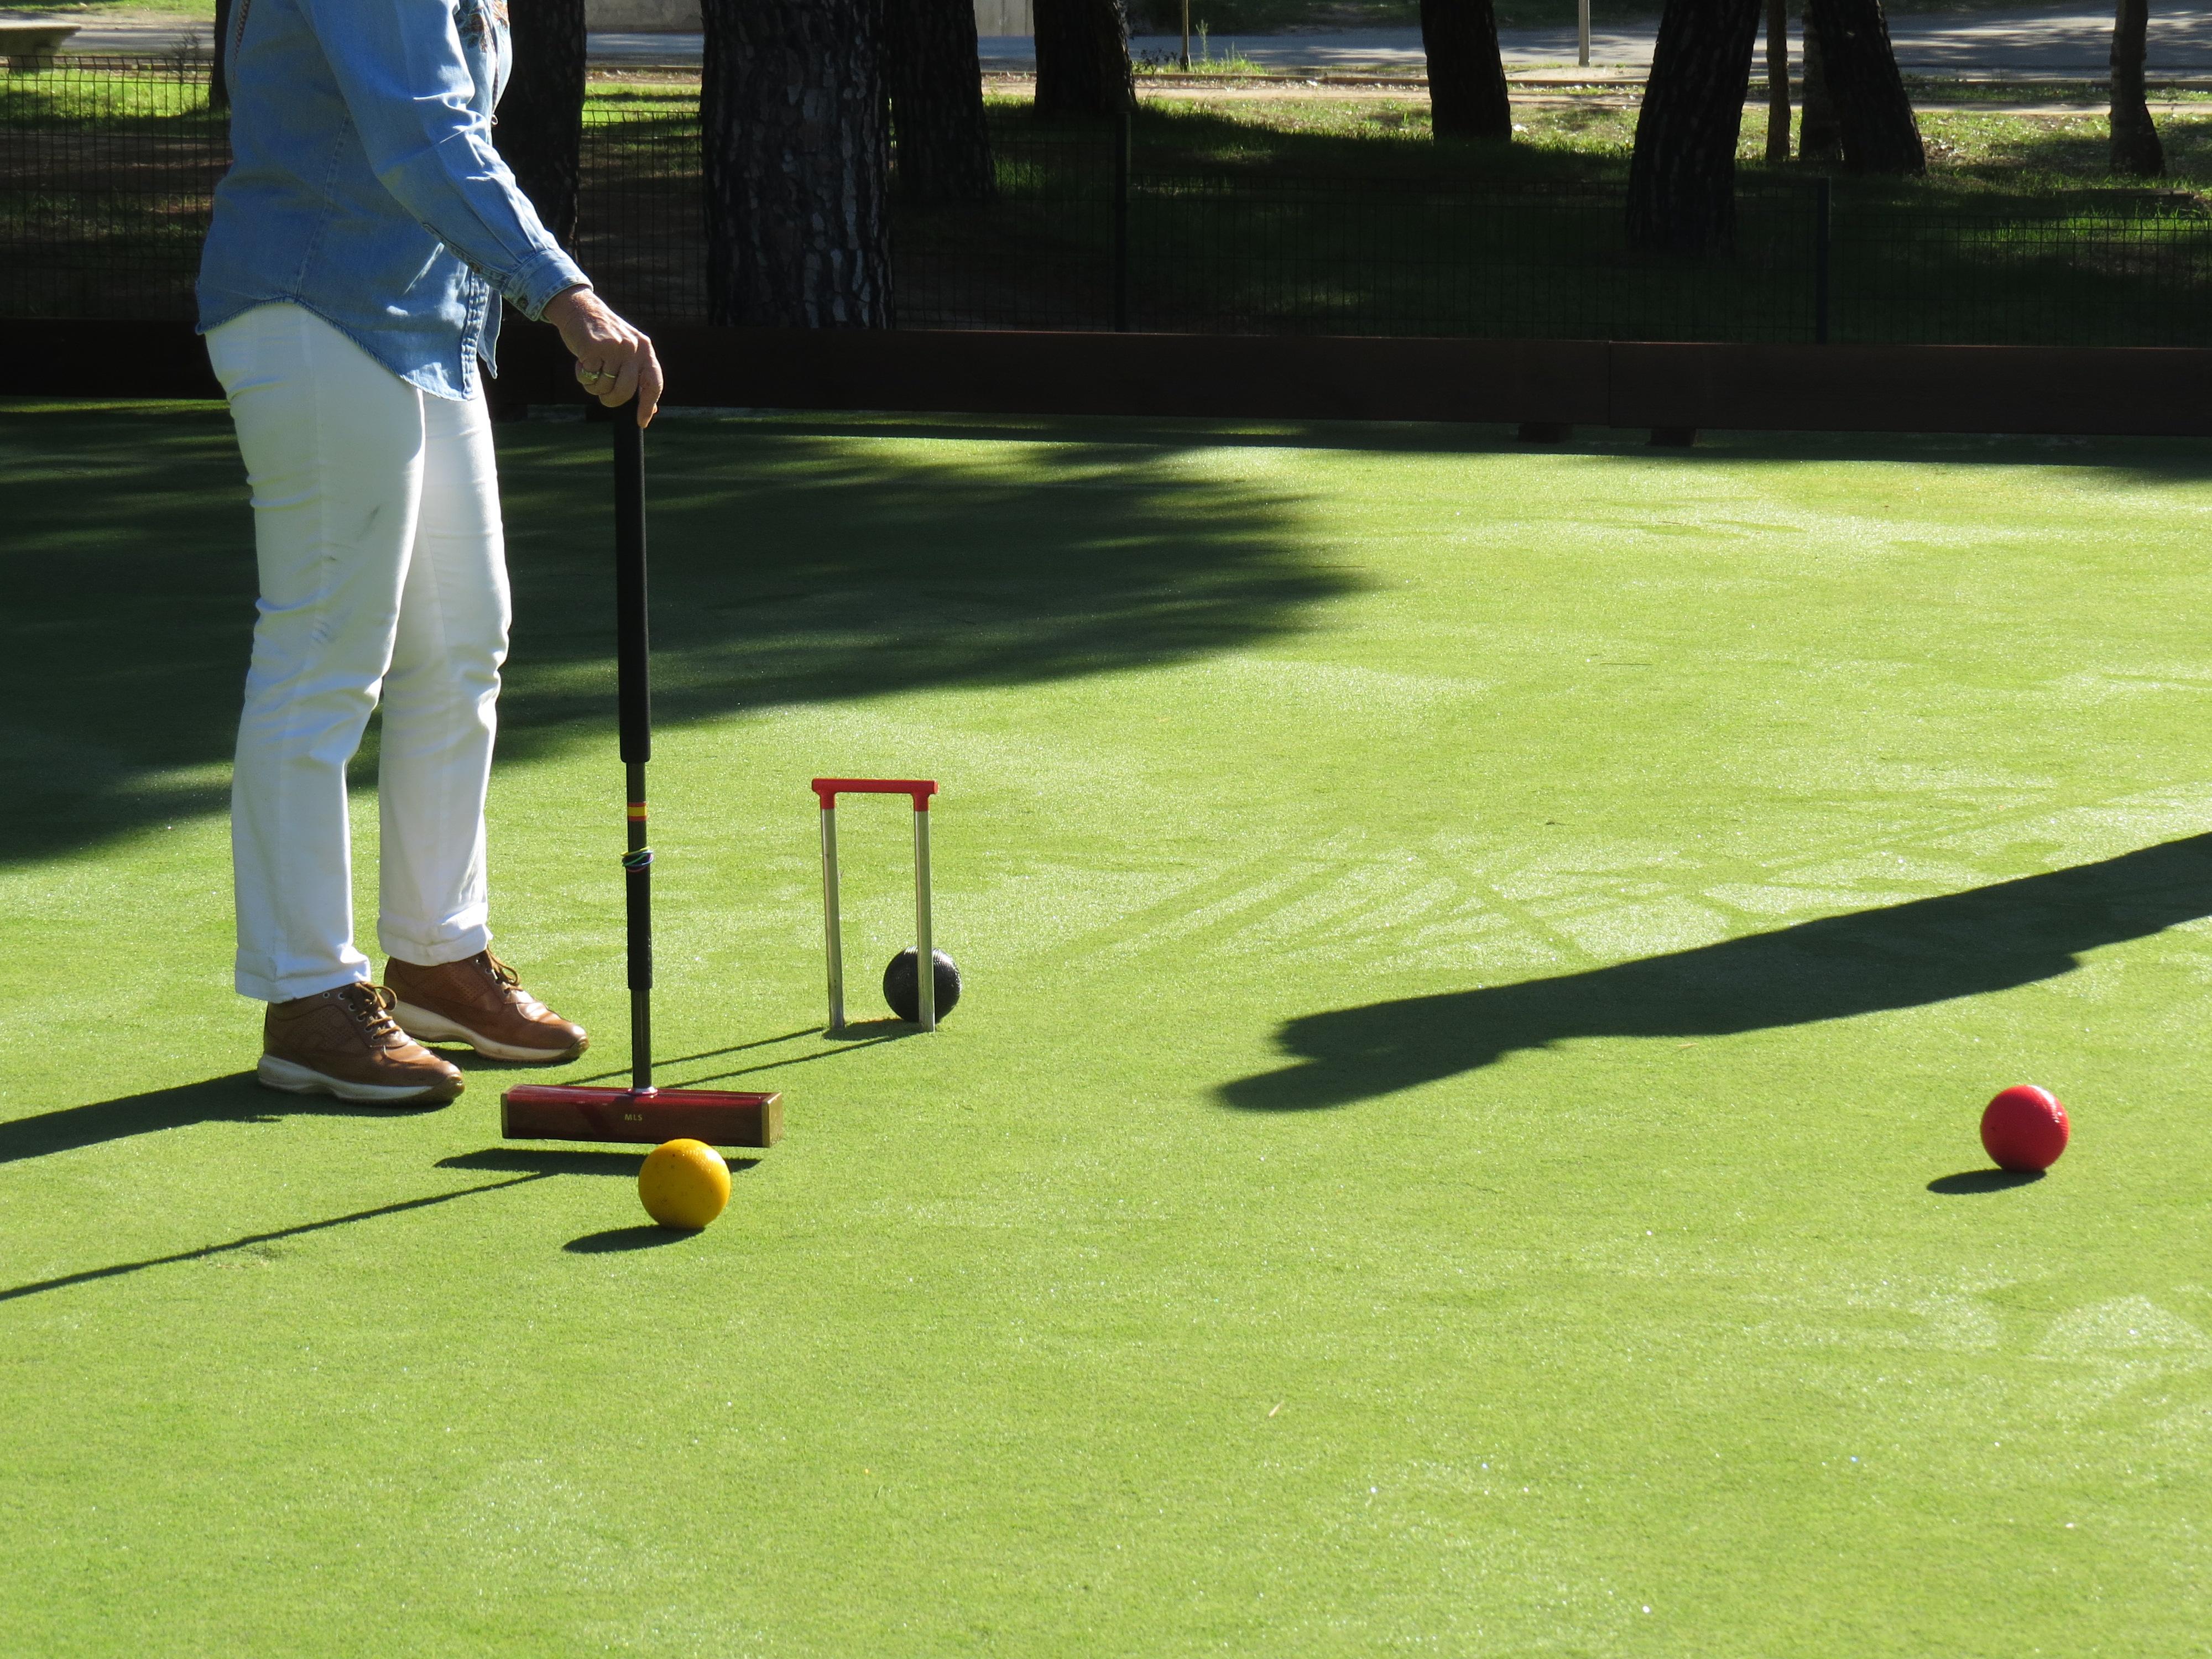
[789, 567]
[794, 561]
[1901, 956]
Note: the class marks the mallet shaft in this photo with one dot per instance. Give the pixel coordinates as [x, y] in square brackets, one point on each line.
[634, 684]
[633, 642]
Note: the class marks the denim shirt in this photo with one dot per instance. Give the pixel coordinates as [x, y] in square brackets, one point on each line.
[364, 186]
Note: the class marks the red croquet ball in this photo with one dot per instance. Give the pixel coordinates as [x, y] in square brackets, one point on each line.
[2024, 1128]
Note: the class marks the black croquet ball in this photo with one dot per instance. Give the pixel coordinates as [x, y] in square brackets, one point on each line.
[902, 993]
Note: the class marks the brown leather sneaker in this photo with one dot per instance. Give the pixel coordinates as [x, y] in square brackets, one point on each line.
[343, 1043]
[482, 1003]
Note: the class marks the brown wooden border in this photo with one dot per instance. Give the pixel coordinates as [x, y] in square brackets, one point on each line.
[2147, 391]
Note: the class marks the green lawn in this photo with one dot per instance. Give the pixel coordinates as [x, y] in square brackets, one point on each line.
[1483, 964]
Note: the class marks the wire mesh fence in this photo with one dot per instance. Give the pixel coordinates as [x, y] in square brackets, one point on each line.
[107, 168]
[1224, 253]
[2091, 267]
[641, 230]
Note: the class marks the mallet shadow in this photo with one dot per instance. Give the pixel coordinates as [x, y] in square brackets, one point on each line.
[533, 1160]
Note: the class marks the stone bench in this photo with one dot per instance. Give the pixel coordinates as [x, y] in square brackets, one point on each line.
[33, 45]
[682, 16]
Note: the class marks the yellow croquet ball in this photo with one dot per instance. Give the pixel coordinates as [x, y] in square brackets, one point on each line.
[684, 1183]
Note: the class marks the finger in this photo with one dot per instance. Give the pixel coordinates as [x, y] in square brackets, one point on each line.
[650, 386]
[625, 386]
[600, 366]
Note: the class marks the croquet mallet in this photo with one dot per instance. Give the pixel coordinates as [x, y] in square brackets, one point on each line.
[640, 1113]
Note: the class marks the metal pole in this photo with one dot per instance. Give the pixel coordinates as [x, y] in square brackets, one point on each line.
[1186, 36]
[634, 693]
[1821, 244]
[1778, 81]
[1122, 223]
[1582, 33]
[830, 930]
[925, 947]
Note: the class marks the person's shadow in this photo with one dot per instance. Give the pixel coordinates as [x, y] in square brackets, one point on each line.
[236, 1099]
[1902, 955]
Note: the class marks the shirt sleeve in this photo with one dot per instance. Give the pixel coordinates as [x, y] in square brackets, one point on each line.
[399, 67]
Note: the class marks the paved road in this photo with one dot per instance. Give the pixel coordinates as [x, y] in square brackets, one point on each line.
[136, 36]
[2067, 40]
[2070, 40]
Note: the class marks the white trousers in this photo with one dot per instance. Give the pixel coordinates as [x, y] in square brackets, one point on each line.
[383, 570]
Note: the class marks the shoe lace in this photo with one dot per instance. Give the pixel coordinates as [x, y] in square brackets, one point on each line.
[500, 971]
[370, 1006]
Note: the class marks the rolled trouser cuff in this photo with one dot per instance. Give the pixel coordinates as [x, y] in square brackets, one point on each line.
[458, 946]
[263, 987]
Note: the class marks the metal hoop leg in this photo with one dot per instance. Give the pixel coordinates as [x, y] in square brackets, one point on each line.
[925, 952]
[830, 929]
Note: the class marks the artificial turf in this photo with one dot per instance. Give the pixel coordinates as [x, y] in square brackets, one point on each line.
[1483, 965]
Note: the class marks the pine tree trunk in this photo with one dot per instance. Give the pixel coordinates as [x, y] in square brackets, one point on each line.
[540, 129]
[1083, 59]
[1777, 82]
[1878, 131]
[1682, 180]
[1467, 76]
[937, 101]
[2136, 150]
[797, 158]
[1819, 136]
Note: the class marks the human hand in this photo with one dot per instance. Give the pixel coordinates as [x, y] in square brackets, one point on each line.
[614, 361]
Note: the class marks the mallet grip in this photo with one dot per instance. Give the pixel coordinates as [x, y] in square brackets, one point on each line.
[830, 789]
[632, 641]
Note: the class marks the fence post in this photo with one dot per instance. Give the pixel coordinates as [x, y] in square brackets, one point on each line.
[1821, 261]
[1122, 223]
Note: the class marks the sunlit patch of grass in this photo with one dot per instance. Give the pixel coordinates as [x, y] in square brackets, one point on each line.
[1589, 137]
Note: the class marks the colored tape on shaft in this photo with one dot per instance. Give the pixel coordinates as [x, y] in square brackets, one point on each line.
[640, 860]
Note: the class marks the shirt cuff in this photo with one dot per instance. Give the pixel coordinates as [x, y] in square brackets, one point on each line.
[535, 284]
